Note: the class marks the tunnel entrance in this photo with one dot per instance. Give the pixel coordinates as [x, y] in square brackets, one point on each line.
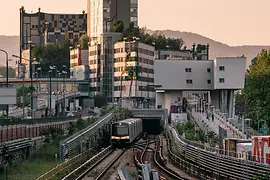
[152, 126]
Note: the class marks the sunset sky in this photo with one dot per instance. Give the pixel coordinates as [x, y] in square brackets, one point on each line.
[234, 22]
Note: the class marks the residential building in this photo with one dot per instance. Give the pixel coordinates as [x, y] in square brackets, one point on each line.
[215, 80]
[103, 13]
[138, 58]
[101, 58]
[78, 57]
[41, 27]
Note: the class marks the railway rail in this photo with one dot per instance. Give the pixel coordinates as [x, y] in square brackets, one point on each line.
[102, 161]
[204, 164]
[152, 153]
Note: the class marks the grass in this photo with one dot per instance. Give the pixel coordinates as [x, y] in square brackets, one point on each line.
[42, 161]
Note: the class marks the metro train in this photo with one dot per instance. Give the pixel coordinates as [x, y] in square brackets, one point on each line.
[126, 131]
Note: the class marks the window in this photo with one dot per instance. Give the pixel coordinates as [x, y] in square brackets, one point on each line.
[209, 81]
[208, 70]
[221, 80]
[133, 19]
[188, 69]
[189, 81]
[221, 68]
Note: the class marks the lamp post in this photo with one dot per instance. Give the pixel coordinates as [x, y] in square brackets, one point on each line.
[50, 93]
[64, 87]
[40, 74]
[31, 76]
[6, 74]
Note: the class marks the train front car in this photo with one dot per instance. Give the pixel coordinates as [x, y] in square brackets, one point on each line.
[120, 133]
[126, 131]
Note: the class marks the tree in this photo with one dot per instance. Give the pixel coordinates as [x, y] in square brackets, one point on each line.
[83, 42]
[118, 26]
[161, 42]
[26, 95]
[100, 100]
[11, 72]
[257, 94]
[240, 104]
[51, 54]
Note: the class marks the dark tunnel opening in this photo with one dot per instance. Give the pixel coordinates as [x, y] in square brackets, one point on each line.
[152, 126]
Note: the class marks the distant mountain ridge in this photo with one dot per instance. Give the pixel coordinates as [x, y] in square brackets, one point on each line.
[11, 45]
[217, 49]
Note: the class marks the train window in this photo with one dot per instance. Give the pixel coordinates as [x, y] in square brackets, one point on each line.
[118, 130]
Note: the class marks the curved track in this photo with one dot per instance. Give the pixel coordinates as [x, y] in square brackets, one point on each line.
[152, 154]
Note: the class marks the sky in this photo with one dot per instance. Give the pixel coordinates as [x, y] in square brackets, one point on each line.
[234, 22]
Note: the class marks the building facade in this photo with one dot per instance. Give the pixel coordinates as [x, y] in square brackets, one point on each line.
[78, 57]
[216, 80]
[134, 72]
[103, 13]
[41, 27]
[101, 63]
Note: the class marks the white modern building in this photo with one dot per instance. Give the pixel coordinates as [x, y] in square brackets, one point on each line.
[137, 58]
[103, 13]
[216, 80]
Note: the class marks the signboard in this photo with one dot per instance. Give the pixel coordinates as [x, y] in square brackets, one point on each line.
[261, 149]
[178, 117]
[81, 72]
[8, 96]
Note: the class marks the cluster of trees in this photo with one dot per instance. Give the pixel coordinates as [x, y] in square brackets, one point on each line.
[158, 39]
[24, 92]
[11, 72]
[51, 54]
[257, 90]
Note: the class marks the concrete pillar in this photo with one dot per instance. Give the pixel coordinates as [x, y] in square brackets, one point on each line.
[231, 99]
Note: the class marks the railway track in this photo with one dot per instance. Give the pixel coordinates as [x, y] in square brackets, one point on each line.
[96, 167]
[152, 153]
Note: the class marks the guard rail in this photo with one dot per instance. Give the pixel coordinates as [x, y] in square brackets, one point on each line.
[68, 145]
[214, 162]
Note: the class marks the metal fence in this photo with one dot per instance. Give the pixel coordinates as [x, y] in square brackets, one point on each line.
[216, 164]
[149, 113]
[18, 121]
[70, 144]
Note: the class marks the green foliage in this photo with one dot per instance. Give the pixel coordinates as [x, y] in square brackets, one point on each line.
[44, 159]
[51, 54]
[161, 42]
[257, 96]
[123, 113]
[263, 177]
[26, 95]
[118, 26]
[11, 72]
[83, 42]
[195, 134]
[100, 100]
[240, 104]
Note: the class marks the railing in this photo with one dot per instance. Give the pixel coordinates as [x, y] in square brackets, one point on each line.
[162, 113]
[68, 145]
[216, 164]
[16, 145]
[65, 166]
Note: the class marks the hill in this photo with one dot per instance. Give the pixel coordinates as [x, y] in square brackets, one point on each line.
[11, 44]
[216, 48]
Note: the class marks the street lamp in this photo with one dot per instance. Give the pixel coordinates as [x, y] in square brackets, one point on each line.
[6, 75]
